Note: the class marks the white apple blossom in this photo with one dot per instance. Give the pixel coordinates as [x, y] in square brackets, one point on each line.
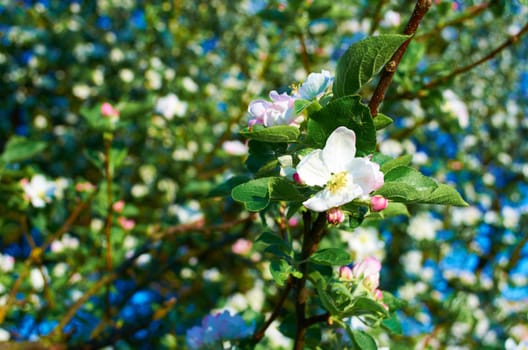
[315, 85]
[39, 190]
[280, 111]
[171, 105]
[335, 168]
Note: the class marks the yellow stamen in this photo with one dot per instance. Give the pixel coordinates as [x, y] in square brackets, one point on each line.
[337, 182]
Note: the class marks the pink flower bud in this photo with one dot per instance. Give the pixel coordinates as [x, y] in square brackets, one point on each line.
[126, 224]
[241, 246]
[345, 273]
[297, 178]
[84, 187]
[118, 206]
[378, 203]
[335, 216]
[378, 294]
[293, 221]
[107, 110]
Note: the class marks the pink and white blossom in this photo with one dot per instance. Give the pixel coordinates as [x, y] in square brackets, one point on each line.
[368, 270]
[38, 191]
[280, 111]
[335, 168]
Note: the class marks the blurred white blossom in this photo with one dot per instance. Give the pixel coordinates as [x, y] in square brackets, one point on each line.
[170, 106]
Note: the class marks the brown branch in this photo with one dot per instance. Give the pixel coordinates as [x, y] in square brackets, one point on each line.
[36, 255]
[259, 334]
[516, 254]
[304, 53]
[420, 9]
[108, 224]
[312, 236]
[317, 319]
[80, 302]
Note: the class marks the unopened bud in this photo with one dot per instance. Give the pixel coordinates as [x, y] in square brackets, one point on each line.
[297, 178]
[335, 216]
[345, 273]
[107, 110]
[378, 203]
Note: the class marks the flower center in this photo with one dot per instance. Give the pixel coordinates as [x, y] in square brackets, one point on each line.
[337, 182]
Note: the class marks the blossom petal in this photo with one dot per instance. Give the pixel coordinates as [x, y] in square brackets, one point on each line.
[340, 149]
[325, 199]
[312, 169]
[365, 174]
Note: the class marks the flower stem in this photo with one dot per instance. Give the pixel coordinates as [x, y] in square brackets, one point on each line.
[313, 234]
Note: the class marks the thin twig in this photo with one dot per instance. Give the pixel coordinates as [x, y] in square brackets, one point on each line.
[317, 319]
[304, 53]
[377, 16]
[471, 12]
[36, 255]
[259, 334]
[108, 224]
[80, 302]
[420, 9]
[508, 42]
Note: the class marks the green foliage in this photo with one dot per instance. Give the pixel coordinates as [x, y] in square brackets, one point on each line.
[362, 61]
[347, 111]
[18, 149]
[331, 257]
[407, 185]
[273, 134]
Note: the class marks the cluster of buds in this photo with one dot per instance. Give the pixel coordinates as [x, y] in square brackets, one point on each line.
[366, 274]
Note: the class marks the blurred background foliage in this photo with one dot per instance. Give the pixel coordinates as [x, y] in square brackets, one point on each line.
[463, 271]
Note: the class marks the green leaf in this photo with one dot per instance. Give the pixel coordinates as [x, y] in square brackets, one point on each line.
[394, 163]
[392, 302]
[19, 148]
[446, 195]
[272, 239]
[95, 120]
[283, 189]
[362, 61]
[392, 324]
[300, 105]
[409, 176]
[254, 194]
[225, 188]
[264, 155]
[117, 156]
[331, 257]
[363, 340]
[347, 111]
[381, 121]
[400, 192]
[273, 134]
[280, 270]
[365, 305]
[326, 300]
